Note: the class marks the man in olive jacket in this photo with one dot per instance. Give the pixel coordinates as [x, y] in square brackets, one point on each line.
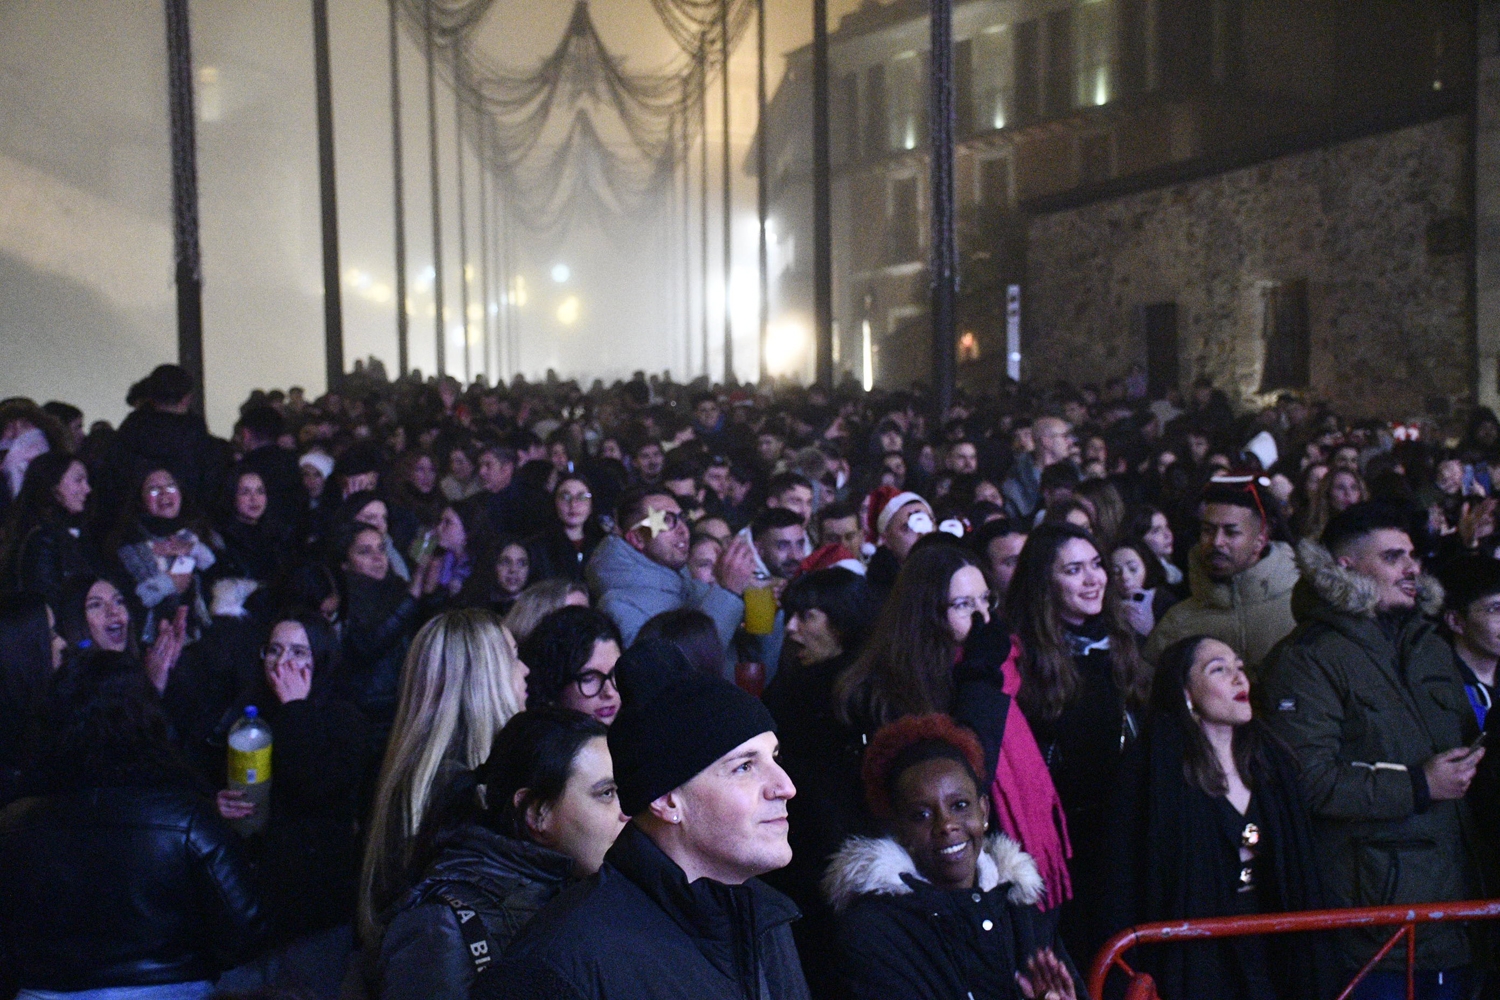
[1366, 693]
[1241, 581]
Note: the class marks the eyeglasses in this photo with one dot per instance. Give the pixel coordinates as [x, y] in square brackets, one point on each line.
[574, 497]
[274, 651]
[159, 491]
[591, 683]
[987, 601]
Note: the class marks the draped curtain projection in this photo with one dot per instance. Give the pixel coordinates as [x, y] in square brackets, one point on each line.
[576, 136]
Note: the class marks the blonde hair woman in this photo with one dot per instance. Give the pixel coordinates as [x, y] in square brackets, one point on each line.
[538, 601]
[461, 683]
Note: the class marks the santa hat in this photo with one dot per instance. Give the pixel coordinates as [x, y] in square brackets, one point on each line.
[832, 556]
[881, 506]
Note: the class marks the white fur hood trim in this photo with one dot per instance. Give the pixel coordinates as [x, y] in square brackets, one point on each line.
[1351, 593]
[876, 865]
[230, 595]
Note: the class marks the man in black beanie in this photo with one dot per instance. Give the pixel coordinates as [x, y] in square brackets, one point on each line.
[676, 911]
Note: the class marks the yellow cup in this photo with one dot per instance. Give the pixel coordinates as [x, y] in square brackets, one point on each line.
[760, 610]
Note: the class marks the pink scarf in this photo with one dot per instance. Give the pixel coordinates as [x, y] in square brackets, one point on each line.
[1026, 802]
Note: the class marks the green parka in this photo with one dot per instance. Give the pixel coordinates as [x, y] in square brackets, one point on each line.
[1364, 702]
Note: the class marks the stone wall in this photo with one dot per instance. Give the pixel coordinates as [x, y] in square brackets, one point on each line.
[1388, 308]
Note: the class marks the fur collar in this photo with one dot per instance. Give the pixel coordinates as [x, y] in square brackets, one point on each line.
[230, 595]
[1348, 592]
[870, 865]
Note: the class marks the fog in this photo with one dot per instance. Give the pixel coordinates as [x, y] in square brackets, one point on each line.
[87, 303]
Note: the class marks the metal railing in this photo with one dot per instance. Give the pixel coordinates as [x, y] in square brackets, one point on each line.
[1406, 918]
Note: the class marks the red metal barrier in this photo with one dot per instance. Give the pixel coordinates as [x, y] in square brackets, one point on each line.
[1406, 917]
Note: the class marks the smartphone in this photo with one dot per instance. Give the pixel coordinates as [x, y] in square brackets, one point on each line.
[1478, 742]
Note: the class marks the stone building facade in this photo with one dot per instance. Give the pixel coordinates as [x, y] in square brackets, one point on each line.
[1234, 188]
[1360, 233]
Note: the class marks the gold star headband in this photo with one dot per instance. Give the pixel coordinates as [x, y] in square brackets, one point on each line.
[655, 522]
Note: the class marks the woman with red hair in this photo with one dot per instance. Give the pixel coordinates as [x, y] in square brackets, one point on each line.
[940, 907]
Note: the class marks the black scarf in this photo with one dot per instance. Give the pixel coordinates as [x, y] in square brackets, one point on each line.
[1177, 864]
[161, 527]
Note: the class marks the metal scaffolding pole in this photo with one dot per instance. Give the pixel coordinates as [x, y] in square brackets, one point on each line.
[944, 264]
[440, 340]
[333, 307]
[403, 319]
[822, 209]
[725, 221]
[185, 247]
[761, 191]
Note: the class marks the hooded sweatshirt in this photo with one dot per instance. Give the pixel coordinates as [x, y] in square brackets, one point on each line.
[631, 590]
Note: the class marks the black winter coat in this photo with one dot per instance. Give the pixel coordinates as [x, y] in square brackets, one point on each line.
[902, 938]
[638, 930]
[423, 955]
[122, 887]
[1082, 748]
[1172, 858]
[252, 551]
[309, 851]
[48, 559]
[381, 617]
[554, 556]
[150, 439]
[822, 757]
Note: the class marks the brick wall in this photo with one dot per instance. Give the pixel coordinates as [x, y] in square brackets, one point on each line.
[1389, 316]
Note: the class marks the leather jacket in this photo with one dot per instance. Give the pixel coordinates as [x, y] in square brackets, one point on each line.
[48, 559]
[122, 887]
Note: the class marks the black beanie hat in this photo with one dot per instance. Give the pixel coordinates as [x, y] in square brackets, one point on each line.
[673, 722]
[1470, 579]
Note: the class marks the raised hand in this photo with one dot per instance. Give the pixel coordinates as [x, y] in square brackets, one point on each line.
[164, 653]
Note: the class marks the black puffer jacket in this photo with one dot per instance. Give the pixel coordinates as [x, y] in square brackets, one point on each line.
[639, 930]
[902, 938]
[122, 887]
[423, 955]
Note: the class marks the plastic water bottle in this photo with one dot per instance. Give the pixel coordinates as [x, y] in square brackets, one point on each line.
[250, 768]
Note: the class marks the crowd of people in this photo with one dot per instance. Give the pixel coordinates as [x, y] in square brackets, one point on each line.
[681, 691]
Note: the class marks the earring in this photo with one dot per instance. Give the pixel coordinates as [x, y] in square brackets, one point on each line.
[1190, 708]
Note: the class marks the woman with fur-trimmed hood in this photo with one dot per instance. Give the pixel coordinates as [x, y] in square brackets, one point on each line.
[940, 908]
[1368, 695]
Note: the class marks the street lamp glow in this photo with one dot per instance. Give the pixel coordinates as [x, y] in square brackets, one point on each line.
[569, 310]
[561, 273]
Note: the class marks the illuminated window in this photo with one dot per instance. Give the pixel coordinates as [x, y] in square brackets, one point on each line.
[1094, 48]
[968, 346]
[993, 76]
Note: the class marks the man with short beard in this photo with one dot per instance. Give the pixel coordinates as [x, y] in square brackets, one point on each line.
[1367, 695]
[677, 909]
[1241, 581]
